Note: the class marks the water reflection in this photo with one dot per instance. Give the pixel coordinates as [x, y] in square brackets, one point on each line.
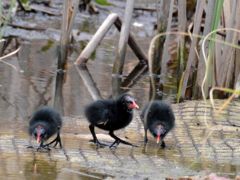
[85, 174]
[40, 169]
[198, 164]
[34, 85]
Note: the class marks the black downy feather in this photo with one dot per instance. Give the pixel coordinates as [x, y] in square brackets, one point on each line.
[48, 122]
[157, 117]
[111, 115]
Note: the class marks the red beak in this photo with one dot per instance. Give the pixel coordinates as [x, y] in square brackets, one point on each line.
[38, 138]
[158, 138]
[134, 105]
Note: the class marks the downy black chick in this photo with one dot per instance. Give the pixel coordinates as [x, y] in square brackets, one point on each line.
[44, 123]
[111, 115]
[157, 117]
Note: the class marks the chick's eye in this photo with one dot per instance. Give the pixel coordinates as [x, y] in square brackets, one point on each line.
[130, 102]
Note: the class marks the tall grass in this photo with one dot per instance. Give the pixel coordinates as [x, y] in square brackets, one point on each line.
[195, 78]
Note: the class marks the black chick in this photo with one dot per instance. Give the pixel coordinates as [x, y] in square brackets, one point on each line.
[44, 123]
[111, 115]
[158, 117]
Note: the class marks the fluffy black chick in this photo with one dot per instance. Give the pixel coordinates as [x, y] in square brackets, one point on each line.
[157, 117]
[111, 115]
[44, 123]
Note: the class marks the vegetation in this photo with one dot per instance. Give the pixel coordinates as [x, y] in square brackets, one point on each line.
[200, 66]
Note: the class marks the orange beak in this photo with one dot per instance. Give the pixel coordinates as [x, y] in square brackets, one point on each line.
[158, 138]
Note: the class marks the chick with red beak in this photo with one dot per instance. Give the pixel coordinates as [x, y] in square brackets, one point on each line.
[39, 134]
[111, 115]
[131, 102]
[158, 136]
[159, 130]
[133, 105]
[158, 118]
[45, 122]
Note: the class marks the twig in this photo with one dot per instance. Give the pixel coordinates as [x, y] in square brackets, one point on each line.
[26, 27]
[81, 173]
[88, 81]
[8, 55]
[21, 6]
[122, 47]
[133, 44]
[96, 39]
[145, 9]
[235, 92]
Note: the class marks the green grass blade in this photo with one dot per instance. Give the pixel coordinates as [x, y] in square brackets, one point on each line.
[103, 2]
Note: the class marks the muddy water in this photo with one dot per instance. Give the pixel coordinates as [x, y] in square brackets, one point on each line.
[30, 85]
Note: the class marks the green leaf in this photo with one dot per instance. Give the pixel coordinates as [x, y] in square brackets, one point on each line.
[47, 46]
[103, 2]
[180, 88]
[25, 4]
[24, 1]
[210, 63]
